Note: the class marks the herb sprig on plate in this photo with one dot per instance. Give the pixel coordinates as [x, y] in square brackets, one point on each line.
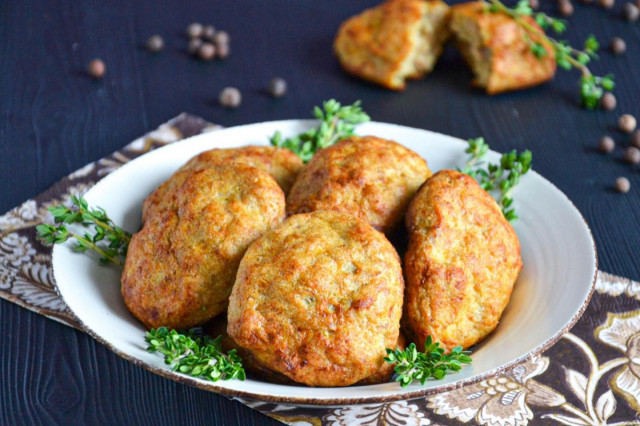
[592, 87]
[433, 362]
[195, 356]
[105, 238]
[503, 176]
[336, 122]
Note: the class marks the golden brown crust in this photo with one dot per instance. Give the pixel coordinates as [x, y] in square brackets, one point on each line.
[318, 299]
[282, 164]
[181, 266]
[394, 41]
[495, 45]
[462, 262]
[368, 177]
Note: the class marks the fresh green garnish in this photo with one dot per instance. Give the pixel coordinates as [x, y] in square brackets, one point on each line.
[433, 362]
[336, 122]
[195, 356]
[107, 239]
[503, 176]
[567, 57]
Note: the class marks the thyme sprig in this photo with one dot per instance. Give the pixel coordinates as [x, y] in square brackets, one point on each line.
[336, 122]
[503, 176]
[195, 356]
[592, 87]
[107, 239]
[433, 362]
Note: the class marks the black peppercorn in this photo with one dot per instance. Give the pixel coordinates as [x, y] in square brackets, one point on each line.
[206, 51]
[208, 32]
[277, 87]
[220, 38]
[230, 97]
[608, 101]
[223, 51]
[630, 12]
[623, 185]
[627, 123]
[155, 43]
[96, 68]
[606, 144]
[194, 46]
[635, 138]
[195, 30]
[565, 8]
[632, 155]
[618, 46]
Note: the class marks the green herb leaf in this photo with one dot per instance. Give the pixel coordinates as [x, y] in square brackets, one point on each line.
[433, 362]
[195, 356]
[336, 122]
[567, 57]
[503, 176]
[103, 227]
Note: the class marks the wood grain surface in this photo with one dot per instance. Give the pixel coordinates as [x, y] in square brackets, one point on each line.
[54, 119]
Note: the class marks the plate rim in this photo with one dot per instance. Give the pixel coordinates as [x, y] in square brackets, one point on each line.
[322, 401]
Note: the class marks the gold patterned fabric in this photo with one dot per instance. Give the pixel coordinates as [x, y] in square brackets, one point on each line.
[590, 377]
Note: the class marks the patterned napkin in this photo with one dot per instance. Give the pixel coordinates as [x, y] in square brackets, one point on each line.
[590, 377]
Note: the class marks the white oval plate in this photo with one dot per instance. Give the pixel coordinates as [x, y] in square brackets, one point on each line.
[551, 293]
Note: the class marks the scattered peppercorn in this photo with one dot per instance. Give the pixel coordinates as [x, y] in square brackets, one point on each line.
[565, 8]
[223, 51]
[606, 144]
[195, 30]
[194, 45]
[632, 155]
[534, 4]
[618, 46]
[627, 123]
[208, 32]
[635, 138]
[220, 38]
[206, 51]
[623, 185]
[608, 101]
[630, 12]
[607, 4]
[277, 87]
[155, 43]
[96, 68]
[230, 97]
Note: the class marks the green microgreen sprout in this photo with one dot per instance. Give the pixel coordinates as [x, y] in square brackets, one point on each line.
[107, 239]
[336, 122]
[195, 356]
[567, 57]
[503, 176]
[433, 362]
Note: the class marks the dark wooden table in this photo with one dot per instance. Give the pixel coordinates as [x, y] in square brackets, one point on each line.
[54, 119]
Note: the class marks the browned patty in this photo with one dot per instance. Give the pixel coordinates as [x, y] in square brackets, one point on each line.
[394, 41]
[282, 164]
[498, 49]
[181, 266]
[462, 262]
[218, 327]
[318, 299]
[368, 177]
